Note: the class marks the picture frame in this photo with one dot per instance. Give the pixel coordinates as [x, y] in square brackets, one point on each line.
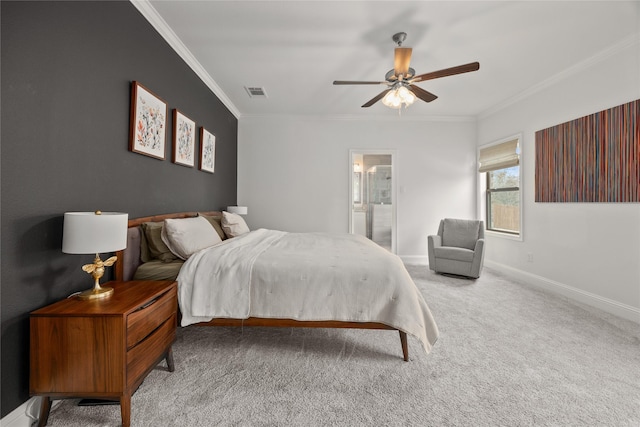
[148, 123]
[207, 150]
[184, 139]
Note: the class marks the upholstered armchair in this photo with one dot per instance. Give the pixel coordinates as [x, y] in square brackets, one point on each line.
[458, 248]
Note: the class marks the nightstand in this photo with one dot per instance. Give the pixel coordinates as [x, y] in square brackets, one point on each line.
[102, 348]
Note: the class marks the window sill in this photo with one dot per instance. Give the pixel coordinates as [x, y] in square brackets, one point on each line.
[516, 237]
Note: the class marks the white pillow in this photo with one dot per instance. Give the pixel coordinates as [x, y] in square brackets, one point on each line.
[186, 236]
[233, 224]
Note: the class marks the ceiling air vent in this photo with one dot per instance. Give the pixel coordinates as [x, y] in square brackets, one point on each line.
[256, 92]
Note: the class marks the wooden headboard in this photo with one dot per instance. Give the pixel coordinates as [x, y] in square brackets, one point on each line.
[129, 258]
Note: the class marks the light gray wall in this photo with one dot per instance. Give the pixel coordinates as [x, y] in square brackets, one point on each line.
[293, 172]
[592, 249]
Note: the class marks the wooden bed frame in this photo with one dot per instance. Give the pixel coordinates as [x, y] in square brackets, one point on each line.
[129, 259]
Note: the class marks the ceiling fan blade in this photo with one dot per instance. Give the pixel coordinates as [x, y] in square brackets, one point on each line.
[401, 60]
[423, 94]
[473, 66]
[377, 98]
[348, 82]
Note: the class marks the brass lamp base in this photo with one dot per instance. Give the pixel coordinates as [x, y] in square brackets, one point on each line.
[96, 293]
[97, 270]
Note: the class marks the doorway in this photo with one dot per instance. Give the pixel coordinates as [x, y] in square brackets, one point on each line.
[372, 199]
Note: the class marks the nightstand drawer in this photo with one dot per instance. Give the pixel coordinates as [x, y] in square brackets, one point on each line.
[148, 353]
[150, 316]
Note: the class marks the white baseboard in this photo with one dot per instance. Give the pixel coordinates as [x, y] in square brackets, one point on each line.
[415, 259]
[26, 415]
[605, 304]
[19, 418]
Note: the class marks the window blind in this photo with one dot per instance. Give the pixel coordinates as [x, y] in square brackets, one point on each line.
[499, 156]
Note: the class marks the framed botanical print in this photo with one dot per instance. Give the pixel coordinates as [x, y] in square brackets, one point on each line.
[184, 139]
[148, 124]
[207, 150]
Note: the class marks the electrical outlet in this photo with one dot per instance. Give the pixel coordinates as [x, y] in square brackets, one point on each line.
[530, 256]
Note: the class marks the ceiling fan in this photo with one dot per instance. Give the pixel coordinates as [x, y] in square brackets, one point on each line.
[400, 81]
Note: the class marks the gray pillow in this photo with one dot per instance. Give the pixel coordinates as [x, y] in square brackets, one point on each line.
[216, 222]
[157, 248]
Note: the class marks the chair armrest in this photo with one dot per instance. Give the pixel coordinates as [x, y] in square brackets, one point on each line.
[433, 241]
[478, 258]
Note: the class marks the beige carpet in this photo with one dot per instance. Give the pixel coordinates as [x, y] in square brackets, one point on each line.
[508, 355]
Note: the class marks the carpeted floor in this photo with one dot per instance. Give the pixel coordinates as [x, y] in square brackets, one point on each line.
[508, 355]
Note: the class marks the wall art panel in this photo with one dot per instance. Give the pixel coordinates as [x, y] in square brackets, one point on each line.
[595, 158]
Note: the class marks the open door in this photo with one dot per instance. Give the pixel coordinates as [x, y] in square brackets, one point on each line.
[372, 199]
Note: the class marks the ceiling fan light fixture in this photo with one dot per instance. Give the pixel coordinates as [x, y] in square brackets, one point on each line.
[391, 100]
[406, 96]
[397, 97]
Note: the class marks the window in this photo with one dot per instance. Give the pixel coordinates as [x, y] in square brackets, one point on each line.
[501, 163]
[503, 200]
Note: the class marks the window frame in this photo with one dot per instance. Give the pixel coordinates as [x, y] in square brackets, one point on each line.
[489, 191]
[484, 193]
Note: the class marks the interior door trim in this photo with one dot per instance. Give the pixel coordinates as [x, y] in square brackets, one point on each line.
[394, 188]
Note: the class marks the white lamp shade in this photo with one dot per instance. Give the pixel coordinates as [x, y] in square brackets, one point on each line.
[240, 210]
[92, 233]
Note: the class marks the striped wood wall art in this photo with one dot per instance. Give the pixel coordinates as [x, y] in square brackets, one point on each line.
[595, 158]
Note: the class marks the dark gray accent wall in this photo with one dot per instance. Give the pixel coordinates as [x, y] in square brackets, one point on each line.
[66, 76]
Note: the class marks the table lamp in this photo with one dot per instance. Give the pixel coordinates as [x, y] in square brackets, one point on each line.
[95, 233]
[240, 210]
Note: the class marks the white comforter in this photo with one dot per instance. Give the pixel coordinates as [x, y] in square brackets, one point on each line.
[303, 276]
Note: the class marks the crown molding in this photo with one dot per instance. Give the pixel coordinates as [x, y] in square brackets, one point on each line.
[574, 69]
[154, 18]
[362, 118]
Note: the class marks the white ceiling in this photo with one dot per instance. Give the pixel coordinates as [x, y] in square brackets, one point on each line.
[295, 49]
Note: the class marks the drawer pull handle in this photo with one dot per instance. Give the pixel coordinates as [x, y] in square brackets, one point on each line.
[153, 301]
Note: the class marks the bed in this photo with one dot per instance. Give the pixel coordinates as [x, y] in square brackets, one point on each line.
[273, 278]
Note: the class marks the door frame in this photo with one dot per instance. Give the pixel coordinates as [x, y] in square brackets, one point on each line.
[394, 187]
